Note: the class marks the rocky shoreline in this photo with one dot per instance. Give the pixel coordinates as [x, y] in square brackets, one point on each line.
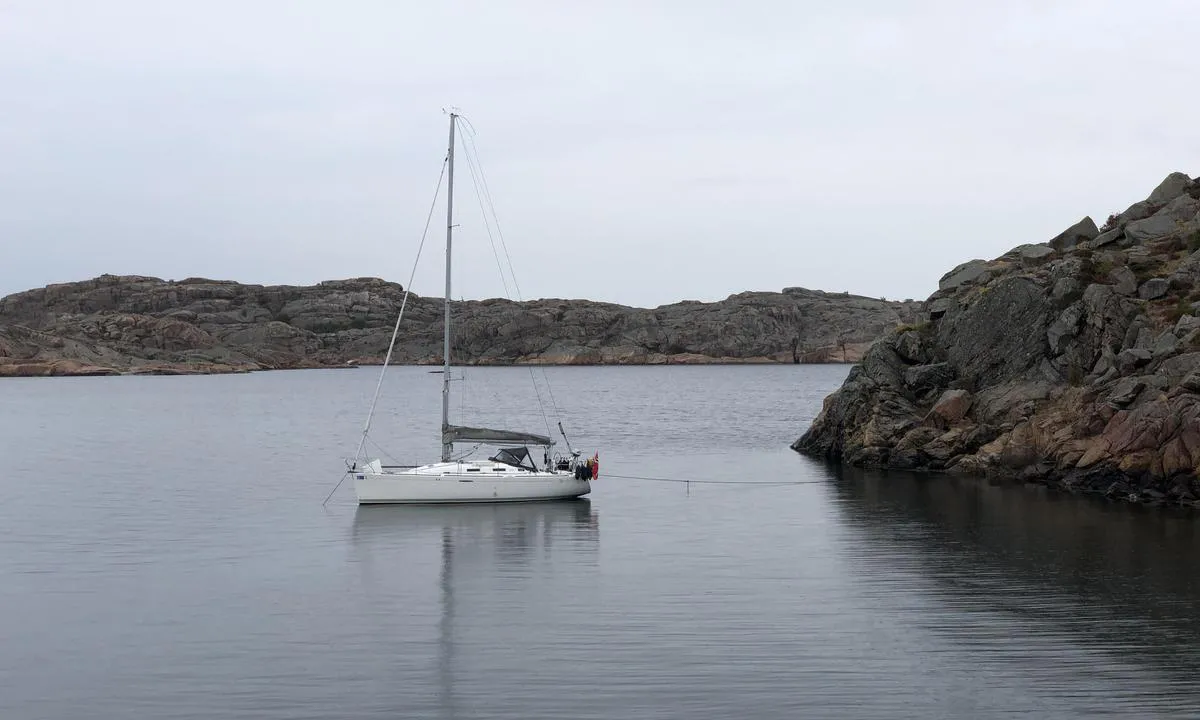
[116, 325]
[1073, 363]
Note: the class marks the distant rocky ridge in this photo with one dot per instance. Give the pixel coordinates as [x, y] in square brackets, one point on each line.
[1074, 363]
[134, 324]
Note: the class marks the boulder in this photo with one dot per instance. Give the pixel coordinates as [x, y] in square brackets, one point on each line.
[1130, 360]
[909, 346]
[1165, 345]
[928, 378]
[1180, 366]
[1124, 281]
[1107, 237]
[1080, 232]
[950, 408]
[1033, 254]
[1154, 288]
[1151, 228]
[1186, 324]
[1063, 330]
[971, 271]
[1181, 209]
[1138, 211]
[1171, 187]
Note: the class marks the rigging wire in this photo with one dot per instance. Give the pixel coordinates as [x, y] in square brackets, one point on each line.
[400, 315]
[384, 452]
[468, 453]
[553, 402]
[469, 137]
[487, 226]
[471, 152]
[346, 474]
[467, 389]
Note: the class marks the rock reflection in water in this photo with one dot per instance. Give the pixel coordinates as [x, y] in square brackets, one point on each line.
[1115, 580]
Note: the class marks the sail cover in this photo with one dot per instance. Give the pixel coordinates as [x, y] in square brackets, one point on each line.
[460, 433]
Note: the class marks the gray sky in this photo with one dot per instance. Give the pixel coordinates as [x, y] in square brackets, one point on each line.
[636, 152]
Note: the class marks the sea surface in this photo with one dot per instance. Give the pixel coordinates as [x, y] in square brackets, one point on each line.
[165, 553]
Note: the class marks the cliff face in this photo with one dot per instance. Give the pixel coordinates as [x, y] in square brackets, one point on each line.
[117, 324]
[1074, 363]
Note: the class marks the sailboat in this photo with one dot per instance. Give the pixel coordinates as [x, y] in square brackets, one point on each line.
[512, 474]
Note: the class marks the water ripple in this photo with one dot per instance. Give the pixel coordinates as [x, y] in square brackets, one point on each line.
[164, 554]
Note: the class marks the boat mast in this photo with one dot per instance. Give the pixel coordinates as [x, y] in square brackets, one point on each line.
[446, 447]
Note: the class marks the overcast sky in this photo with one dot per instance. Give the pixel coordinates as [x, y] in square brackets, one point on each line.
[636, 152]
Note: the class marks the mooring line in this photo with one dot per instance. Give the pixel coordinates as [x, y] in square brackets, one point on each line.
[335, 488]
[644, 478]
[713, 482]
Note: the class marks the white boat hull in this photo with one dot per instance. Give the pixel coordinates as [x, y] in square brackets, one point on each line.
[464, 482]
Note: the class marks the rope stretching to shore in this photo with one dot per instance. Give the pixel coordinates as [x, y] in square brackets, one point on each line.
[714, 482]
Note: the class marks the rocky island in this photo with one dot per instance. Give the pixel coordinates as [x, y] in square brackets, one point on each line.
[1074, 363]
[132, 324]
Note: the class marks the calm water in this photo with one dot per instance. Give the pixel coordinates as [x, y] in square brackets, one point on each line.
[164, 554]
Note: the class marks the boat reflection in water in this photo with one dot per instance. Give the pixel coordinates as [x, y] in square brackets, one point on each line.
[490, 551]
[511, 527]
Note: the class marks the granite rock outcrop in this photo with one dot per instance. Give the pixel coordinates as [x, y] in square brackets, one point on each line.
[1074, 363]
[123, 324]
